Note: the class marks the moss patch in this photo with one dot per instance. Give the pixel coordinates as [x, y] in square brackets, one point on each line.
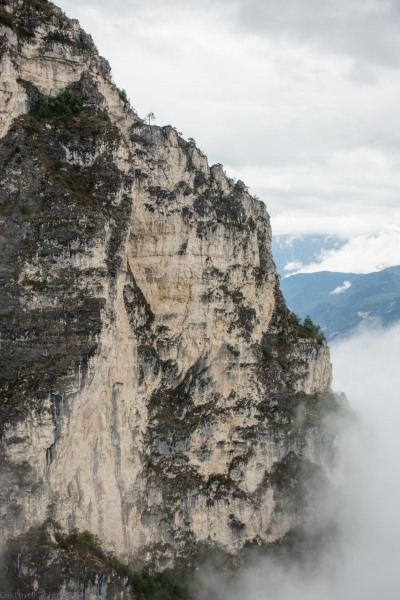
[75, 117]
[59, 38]
[6, 18]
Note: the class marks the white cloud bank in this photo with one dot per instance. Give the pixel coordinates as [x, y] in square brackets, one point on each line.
[364, 563]
[361, 254]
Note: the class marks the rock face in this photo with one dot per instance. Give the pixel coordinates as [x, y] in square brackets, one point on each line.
[155, 389]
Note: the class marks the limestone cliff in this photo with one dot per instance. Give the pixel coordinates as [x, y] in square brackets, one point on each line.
[155, 390]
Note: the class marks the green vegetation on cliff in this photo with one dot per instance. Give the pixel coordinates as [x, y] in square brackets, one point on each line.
[46, 557]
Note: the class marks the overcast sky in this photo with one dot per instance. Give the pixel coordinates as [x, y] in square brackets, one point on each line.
[298, 98]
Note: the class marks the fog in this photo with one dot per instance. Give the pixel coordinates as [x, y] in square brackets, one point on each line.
[363, 562]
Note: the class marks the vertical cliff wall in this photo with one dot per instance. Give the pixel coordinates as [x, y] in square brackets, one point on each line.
[154, 388]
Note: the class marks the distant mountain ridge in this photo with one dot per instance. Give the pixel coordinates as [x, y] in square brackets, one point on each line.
[340, 302]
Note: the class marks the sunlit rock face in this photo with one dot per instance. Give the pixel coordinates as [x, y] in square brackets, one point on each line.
[155, 389]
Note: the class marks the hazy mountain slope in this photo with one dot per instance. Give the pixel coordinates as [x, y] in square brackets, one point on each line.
[373, 296]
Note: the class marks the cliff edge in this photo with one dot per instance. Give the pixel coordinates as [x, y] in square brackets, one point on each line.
[155, 390]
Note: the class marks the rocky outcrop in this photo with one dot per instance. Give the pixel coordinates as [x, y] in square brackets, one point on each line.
[156, 391]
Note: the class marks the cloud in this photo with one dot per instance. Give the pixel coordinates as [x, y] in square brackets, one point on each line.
[297, 99]
[294, 265]
[351, 192]
[366, 29]
[363, 561]
[362, 254]
[341, 288]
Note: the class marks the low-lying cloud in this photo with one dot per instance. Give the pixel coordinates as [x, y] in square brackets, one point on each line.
[363, 563]
[341, 288]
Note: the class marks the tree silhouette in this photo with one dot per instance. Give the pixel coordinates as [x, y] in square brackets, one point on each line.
[150, 117]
